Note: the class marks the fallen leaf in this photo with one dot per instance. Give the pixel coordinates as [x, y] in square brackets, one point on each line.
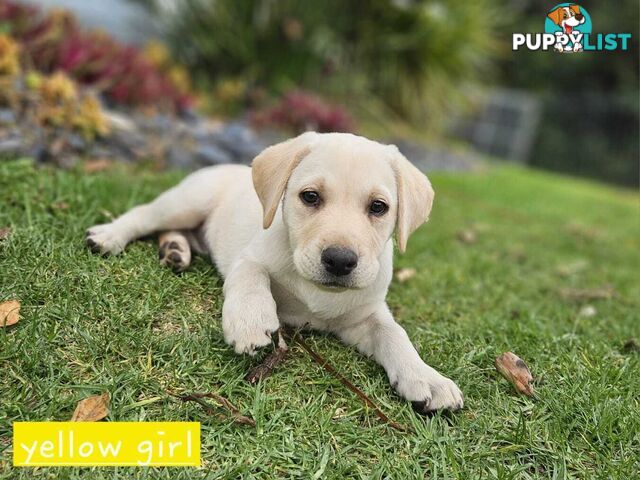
[97, 165]
[5, 232]
[579, 294]
[517, 254]
[60, 206]
[583, 231]
[107, 214]
[339, 413]
[631, 346]
[404, 274]
[588, 311]
[467, 236]
[9, 313]
[513, 368]
[92, 409]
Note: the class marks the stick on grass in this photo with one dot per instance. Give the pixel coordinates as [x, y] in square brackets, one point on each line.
[226, 404]
[273, 360]
[359, 393]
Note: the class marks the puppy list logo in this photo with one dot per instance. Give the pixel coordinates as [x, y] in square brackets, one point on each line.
[567, 30]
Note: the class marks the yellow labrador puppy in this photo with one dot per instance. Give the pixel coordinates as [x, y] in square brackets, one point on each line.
[304, 237]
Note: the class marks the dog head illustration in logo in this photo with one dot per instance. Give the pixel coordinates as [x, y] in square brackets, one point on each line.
[567, 18]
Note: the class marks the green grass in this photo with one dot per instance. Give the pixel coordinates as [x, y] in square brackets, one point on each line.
[128, 326]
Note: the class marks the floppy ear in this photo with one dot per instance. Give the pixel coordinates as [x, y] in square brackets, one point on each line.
[271, 170]
[575, 8]
[556, 16]
[415, 197]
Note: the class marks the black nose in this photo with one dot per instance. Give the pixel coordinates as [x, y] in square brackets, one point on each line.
[579, 17]
[339, 261]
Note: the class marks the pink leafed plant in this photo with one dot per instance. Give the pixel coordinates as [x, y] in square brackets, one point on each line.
[55, 42]
[299, 111]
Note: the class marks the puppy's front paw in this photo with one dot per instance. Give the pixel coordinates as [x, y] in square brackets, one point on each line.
[428, 391]
[577, 47]
[105, 239]
[248, 323]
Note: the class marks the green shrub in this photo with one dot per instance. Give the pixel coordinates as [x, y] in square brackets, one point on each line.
[411, 57]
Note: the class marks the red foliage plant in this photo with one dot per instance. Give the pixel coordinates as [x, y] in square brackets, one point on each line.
[54, 41]
[299, 111]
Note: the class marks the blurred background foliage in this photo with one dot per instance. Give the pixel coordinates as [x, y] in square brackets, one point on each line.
[413, 67]
[428, 71]
[590, 102]
[405, 59]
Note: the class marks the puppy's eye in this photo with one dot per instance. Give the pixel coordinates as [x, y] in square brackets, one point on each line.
[310, 198]
[378, 208]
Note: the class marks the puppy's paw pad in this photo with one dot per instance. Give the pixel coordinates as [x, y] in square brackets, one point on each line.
[171, 255]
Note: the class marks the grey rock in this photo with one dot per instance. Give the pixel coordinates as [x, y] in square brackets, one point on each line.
[76, 142]
[129, 143]
[180, 157]
[11, 146]
[240, 140]
[7, 117]
[211, 155]
[432, 157]
[120, 121]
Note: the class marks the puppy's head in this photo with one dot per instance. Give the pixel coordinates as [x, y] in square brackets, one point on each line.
[342, 197]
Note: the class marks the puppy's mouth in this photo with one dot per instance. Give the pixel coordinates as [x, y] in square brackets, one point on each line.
[333, 286]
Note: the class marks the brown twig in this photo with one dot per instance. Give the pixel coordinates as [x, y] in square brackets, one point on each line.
[359, 393]
[605, 292]
[273, 360]
[197, 397]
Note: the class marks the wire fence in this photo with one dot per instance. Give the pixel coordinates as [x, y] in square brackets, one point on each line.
[593, 135]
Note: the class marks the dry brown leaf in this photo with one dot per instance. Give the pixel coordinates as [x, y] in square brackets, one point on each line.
[9, 313]
[588, 311]
[631, 346]
[5, 232]
[60, 206]
[513, 368]
[582, 294]
[92, 409]
[405, 274]
[97, 165]
[585, 232]
[468, 237]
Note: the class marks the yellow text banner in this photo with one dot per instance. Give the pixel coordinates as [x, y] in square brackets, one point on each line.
[145, 444]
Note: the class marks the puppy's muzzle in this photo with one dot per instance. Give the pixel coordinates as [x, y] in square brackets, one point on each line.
[339, 261]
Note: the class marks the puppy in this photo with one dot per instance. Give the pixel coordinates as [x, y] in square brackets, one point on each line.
[567, 18]
[304, 237]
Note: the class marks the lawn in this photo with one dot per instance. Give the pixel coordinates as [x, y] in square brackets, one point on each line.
[128, 326]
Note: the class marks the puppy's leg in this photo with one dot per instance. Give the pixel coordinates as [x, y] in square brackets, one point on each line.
[175, 251]
[183, 207]
[249, 315]
[382, 338]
